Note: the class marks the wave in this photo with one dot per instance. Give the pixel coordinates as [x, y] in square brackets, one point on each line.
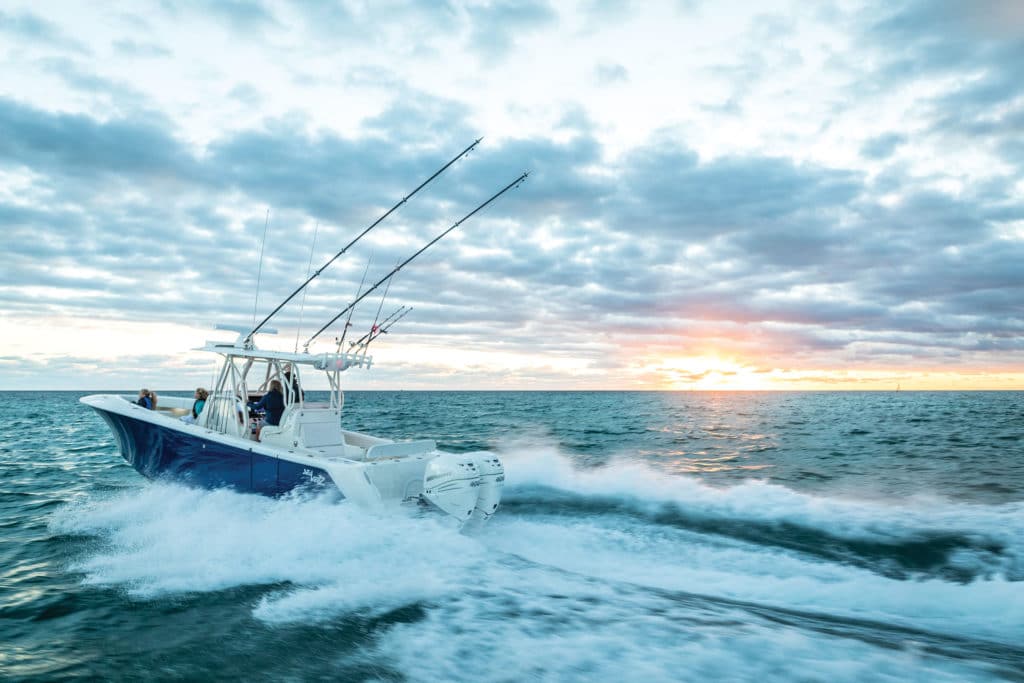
[588, 578]
[920, 537]
[765, 544]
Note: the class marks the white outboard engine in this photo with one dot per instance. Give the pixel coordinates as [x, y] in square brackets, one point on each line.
[492, 481]
[452, 483]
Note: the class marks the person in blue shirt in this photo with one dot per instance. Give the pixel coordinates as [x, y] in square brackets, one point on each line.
[144, 399]
[197, 406]
[200, 402]
[272, 404]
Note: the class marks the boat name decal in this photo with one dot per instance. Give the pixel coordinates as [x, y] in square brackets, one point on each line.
[313, 477]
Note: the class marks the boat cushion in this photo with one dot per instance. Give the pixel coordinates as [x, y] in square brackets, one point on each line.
[321, 434]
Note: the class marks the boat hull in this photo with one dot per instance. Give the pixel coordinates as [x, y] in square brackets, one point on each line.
[191, 456]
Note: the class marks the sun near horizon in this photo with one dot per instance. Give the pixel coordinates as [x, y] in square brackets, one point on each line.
[107, 355]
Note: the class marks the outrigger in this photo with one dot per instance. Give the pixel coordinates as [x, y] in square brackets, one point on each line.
[308, 447]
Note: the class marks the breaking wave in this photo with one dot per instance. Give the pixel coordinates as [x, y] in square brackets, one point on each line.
[914, 538]
[595, 572]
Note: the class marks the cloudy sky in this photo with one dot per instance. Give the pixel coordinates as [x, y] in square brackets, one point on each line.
[722, 194]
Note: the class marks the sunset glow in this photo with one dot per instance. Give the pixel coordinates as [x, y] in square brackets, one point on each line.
[710, 373]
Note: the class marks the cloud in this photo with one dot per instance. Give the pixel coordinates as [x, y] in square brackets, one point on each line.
[904, 243]
[247, 94]
[34, 29]
[669, 191]
[496, 26]
[79, 146]
[882, 146]
[972, 50]
[491, 30]
[135, 49]
[609, 74]
[72, 73]
[658, 242]
[607, 9]
[239, 15]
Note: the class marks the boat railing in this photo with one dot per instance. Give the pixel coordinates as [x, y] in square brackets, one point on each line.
[225, 414]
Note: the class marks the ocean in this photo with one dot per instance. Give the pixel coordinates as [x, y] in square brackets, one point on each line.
[643, 536]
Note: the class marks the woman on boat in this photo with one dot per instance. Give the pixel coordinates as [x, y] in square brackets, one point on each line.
[272, 404]
[144, 399]
[197, 406]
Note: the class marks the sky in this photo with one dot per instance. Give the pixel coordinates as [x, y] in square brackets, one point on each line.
[722, 195]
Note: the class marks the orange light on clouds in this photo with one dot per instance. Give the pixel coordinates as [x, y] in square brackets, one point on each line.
[710, 372]
[123, 353]
[705, 372]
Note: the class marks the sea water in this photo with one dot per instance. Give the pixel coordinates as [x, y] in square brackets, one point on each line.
[642, 537]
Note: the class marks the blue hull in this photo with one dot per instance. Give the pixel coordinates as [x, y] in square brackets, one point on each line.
[158, 452]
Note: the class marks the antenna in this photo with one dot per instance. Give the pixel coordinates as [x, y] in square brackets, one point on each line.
[259, 271]
[302, 308]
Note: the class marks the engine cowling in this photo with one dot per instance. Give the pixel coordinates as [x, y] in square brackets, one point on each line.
[451, 482]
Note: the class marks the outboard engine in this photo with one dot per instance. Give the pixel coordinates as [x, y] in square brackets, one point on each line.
[451, 482]
[492, 481]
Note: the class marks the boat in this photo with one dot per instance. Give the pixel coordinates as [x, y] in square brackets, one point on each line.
[226, 446]
[309, 448]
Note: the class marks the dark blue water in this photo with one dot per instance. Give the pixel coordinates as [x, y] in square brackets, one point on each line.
[643, 536]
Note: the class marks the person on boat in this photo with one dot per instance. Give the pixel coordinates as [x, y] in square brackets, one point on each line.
[272, 404]
[294, 382]
[152, 400]
[200, 402]
[144, 399]
[197, 406]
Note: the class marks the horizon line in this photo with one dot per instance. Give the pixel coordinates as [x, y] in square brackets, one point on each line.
[652, 391]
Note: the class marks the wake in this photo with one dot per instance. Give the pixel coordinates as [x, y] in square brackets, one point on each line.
[754, 543]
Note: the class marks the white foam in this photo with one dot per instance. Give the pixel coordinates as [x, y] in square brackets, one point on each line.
[671, 559]
[600, 597]
[171, 539]
[540, 464]
[538, 625]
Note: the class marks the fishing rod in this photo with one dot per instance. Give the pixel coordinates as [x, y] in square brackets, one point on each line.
[514, 183]
[383, 297]
[359, 342]
[256, 328]
[348, 321]
[383, 329]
